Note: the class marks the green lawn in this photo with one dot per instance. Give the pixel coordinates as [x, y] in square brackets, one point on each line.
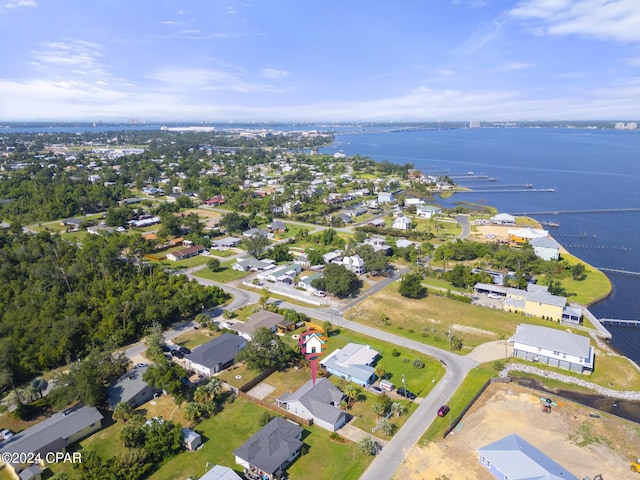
[227, 274]
[595, 286]
[195, 338]
[469, 388]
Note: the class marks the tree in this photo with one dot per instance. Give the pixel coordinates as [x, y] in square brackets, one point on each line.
[578, 272]
[455, 343]
[398, 409]
[327, 326]
[351, 391]
[256, 244]
[387, 427]
[367, 446]
[314, 256]
[380, 371]
[191, 411]
[264, 351]
[411, 286]
[235, 222]
[382, 405]
[214, 265]
[122, 412]
[339, 281]
[280, 253]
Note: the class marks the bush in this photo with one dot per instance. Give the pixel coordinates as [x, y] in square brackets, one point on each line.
[265, 418]
[417, 363]
[395, 353]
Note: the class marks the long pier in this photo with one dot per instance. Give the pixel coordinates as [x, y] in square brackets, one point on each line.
[620, 322]
[510, 190]
[615, 270]
[578, 212]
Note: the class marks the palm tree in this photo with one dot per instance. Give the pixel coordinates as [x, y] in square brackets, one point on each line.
[351, 391]
[191, 411]
[380, 371]
[398, 408]
[39, 384]
[214, 386]
[202, 395]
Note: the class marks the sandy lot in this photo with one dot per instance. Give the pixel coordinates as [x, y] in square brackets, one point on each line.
[584, 445]
[501, 233]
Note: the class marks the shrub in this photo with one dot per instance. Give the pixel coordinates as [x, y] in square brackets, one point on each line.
[395, 353]
[417, 363]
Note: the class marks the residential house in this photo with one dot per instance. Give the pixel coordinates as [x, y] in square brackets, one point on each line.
[428, 211]
[220, 472]
[101, 229]
[291, 207]
[355, 264]
[402, 223]
[284, 274]
[190, 439]
[333, 257]
[535, 301]
[545, 248]
[305, 282]
[353, 362]
[130, 388]
[413, 202]
[277, 226]
[262, 319]
[228, 242]
[72, 224]
[320, 403]
[53, 434]
[525, 235]
[342, 216]
[302, 260]
[513, 458]
[270, 451]
[385, 197]
[246, 264]
[503, 219]
[553, 347]
[404, 243]
[185, 253]
[215, 355]
[215, 201]
[255, 231]
[376, 222]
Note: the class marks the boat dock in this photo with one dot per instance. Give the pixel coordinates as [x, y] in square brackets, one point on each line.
[577, 212]
[601, 330]
[621, 272]
[619, 322]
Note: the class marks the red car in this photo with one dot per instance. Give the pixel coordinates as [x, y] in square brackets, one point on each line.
[443, 410]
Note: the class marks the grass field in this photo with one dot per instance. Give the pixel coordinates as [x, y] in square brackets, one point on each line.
[226, 275]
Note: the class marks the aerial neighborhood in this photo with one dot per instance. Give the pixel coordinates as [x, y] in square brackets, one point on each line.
[156, 289]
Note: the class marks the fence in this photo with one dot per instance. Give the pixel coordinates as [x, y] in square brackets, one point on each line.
[274, 408]
[457, 420]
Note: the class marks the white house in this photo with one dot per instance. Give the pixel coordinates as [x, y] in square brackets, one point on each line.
[408, 202]
[320, 403]
[355, 264]
[428, 211]
[402, 223]
[386, 197]
[545, 248]
[553, 347]
[503, 219]
[353, 362]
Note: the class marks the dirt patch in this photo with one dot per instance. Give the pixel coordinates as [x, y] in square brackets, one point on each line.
[476, 331]
[584, 445]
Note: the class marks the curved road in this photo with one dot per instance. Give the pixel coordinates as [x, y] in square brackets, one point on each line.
[392, 455]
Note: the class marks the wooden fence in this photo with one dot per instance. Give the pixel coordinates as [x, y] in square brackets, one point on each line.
[274, 408]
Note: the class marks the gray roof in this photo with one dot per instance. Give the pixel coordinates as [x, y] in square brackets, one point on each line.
[321, 400]
[262, 319]
[353, 359]
[52, 434]
[227, 242]
[272, 445]
[218, 351]
[277, 225]
[546, 242]
[539, 297]
[219, 472]
[189, 435]
[29, 473]
[552, 339]
[126, 387]
[519, 460]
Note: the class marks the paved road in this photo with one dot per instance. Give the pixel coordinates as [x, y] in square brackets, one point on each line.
[463, 220]
[392, 455]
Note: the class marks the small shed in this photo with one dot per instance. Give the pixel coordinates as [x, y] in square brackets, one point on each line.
[191, 439]
[386, 385]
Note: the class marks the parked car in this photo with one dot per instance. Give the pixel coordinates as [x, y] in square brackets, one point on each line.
[375, 389]
[165, 348]
[443, 410]
[403, 392]
[184, 350]
[493, 295]
[177, 353]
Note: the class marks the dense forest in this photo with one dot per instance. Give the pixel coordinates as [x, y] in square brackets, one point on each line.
[58, 300]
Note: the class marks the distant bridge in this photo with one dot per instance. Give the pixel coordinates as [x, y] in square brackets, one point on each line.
[578, 212]
[615, 270]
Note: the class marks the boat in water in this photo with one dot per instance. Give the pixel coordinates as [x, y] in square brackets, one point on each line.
[549, 223]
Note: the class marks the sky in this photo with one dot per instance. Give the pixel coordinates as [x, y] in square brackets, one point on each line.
[330, 61]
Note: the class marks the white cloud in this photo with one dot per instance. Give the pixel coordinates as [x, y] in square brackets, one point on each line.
[21, 3]
[480, 38]
[230, 79]
[273, 74]
[514, 66]
[617, 20]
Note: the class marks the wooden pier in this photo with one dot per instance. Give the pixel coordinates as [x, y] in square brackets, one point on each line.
[620, 322]
[621, 272]
[579, 212]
